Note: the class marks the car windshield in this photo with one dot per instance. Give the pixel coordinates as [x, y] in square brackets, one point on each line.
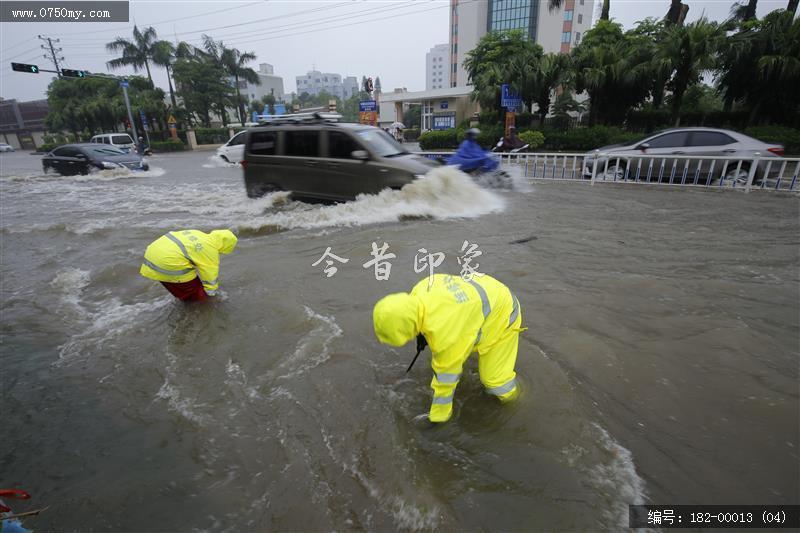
[121, 139]
[105, 150]
[381, 143]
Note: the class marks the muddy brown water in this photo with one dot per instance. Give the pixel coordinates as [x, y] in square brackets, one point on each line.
[660, 364]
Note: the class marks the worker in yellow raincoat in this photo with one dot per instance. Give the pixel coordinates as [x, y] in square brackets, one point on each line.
[186, 262]
[457, 317]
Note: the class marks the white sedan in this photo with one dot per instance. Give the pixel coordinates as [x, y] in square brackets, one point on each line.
[6, 147]
[233, 150]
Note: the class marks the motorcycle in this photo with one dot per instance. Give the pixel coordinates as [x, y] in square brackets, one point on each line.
[499, 145]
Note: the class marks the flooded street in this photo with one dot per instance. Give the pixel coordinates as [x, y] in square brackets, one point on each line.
[660, 364]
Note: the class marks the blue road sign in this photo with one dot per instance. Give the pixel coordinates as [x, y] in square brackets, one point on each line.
[123, 83]
[443, 104]
[144, 120]
[368, 105]
[509, 99]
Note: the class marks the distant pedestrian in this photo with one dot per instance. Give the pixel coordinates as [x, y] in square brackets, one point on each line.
[186, 262]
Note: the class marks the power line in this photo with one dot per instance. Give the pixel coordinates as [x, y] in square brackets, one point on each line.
[166, 21]
[35, 48]
[239, 24]
[240, 43]
[308, 23]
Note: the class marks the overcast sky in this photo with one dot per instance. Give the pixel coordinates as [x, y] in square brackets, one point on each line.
[384, 38]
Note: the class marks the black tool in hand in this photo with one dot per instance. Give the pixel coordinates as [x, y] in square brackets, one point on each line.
[421, 344]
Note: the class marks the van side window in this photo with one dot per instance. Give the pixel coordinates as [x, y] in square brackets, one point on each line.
[300, 143]
[341, 145]
[263, 142]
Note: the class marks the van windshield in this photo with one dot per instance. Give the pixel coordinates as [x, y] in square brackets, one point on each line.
[121, 139]
[381, 143]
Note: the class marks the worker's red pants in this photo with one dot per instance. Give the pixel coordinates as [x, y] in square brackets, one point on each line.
[188, 291]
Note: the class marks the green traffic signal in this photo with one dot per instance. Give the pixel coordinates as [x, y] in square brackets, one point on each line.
[24, 67]
[69, 73]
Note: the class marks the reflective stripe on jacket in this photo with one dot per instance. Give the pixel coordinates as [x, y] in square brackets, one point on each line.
[460, 317]
[183, 255]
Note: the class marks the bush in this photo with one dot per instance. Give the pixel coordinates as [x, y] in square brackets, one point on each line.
[48, 147]
[788, 137]
[411, 134]
[438, 140]
[585, 139]
[534, 139]
[211, 135]
[167, 146]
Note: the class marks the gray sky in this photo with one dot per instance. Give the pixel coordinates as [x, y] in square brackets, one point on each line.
[385, 38]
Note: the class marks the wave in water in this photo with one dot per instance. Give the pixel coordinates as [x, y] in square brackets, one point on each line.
[617, 481]
[444, 193]
[99, 175]
[314, 348]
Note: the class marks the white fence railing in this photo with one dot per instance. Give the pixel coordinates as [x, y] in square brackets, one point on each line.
[745, 173]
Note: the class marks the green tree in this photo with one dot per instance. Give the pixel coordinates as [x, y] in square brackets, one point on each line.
[491, 64]
[235, 63]
[269, 103]
[95, 105]
[744, 11]
[607, 66]
[136, 53]
[412, 117]
[202, 83]
[760, 68]
[688, 52]
[552, 72]
[164, 56]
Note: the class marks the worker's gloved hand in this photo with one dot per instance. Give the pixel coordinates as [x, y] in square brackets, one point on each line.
[421, 342]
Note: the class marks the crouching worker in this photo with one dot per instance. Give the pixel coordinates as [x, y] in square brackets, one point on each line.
[457, 317]
[186, 262]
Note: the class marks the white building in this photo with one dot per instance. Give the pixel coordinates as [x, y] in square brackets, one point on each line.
[314, 82]
[556, 31]
[437, 67]
[270, 84]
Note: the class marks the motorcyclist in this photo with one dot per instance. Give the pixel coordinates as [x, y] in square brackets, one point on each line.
[143, 148]
[511, 141]
[470, 157]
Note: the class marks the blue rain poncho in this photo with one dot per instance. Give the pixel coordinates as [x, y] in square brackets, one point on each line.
[471, 156]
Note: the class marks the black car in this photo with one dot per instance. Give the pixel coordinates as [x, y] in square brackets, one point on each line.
[72, 159]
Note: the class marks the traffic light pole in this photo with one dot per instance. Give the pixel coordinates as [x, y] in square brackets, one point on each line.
[130, 116]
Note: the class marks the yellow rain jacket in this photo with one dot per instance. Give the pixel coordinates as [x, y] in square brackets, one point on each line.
[183, 255]
[457, 317]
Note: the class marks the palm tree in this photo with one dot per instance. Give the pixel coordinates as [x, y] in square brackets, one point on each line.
[234, 62]
[553, 72]
[137, 53]
[792, 7]
[215, 50]
[676, 13]
[744, 12]
[164, 55]
[687, 52]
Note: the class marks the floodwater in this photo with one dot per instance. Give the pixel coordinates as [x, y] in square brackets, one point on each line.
[660, 364]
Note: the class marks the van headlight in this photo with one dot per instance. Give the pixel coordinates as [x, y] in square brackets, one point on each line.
[420, 176]
[109, 164]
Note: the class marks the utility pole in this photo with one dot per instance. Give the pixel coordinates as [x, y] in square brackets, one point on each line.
[52, 57]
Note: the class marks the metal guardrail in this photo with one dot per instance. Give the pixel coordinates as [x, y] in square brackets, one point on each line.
[745, 173]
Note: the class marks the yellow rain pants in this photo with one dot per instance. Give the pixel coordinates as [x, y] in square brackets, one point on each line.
[457, 317]
[183, 255]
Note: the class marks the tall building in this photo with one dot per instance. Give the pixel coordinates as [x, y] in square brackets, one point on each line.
[314, 82]
[437, 67]
[270, 84]
[556, 31]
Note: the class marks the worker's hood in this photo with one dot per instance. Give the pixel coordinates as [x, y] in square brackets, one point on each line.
[223, 240]
[397, 318]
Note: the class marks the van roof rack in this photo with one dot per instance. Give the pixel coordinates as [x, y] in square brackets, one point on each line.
[297, 118]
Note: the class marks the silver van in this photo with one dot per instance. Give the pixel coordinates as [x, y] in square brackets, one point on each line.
[122, 141]
[317, 157]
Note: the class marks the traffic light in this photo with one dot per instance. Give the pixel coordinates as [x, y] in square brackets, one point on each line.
[23, 67]
[69, 73]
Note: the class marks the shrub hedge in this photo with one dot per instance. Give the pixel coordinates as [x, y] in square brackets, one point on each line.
[167, 146]
[534, 139]
[211, 135]
[788, 137]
